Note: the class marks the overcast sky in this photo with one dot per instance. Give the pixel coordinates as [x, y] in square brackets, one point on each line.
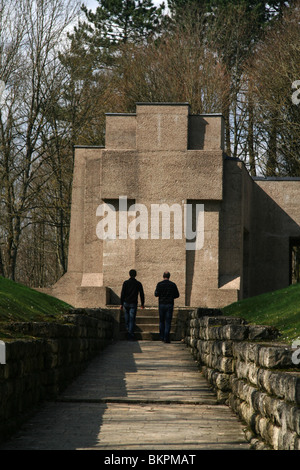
[92, 4]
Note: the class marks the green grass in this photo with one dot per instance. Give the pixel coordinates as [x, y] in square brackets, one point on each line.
[280, 309]
[20, 303]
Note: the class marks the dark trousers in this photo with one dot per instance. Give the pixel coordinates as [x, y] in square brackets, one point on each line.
[130, 316]
[165, 320]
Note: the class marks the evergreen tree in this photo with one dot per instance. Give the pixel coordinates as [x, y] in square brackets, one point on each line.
[97, 39]
[234, 28]
[117, 22]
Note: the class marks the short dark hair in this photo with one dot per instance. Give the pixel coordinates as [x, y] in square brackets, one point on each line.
[132, 273]
[166, 275]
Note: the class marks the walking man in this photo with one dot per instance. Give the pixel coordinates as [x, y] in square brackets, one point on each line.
[166, 291]
[131, 289]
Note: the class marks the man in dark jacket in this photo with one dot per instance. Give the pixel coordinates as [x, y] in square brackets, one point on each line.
[131, 289]
[166, 291]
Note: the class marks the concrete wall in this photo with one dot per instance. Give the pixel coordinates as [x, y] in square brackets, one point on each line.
[40, 367]
[164, 155]
[275, 220]
[252, 374]
[159, 155]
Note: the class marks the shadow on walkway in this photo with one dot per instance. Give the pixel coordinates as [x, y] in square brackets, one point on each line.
[135, 395]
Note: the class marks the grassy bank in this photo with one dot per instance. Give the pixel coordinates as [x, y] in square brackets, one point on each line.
[280, 309]
[20, 303]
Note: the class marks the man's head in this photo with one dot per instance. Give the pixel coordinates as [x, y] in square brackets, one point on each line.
[132, 273]
[166, 275]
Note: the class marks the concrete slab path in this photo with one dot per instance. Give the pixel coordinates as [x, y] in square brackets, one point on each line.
[140, 395]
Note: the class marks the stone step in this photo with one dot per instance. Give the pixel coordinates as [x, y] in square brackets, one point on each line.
[147, 324]
[141, 314]
[143, 320]
[146, 335]
[147, 328]
[147, 313]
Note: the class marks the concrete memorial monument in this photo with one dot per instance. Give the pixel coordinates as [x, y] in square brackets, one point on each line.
[162, 195]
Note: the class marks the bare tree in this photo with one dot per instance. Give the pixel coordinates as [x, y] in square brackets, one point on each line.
[274, 68]
[180, 66]
[31, 43]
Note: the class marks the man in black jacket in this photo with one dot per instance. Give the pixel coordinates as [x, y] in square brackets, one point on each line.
[166, 291]
[131, 289]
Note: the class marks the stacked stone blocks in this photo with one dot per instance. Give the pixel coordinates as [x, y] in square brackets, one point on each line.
[253, 374]
[47, 358]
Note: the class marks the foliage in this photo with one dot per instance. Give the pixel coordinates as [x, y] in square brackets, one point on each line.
[120, 21]
[179, 67]
[248, 34]
[276, 117]
[114, 22]
[31, 133]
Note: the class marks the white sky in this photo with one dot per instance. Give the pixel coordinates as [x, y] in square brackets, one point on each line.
[92, 4]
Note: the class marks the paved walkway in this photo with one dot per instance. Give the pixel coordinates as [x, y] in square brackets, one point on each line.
[140, 395]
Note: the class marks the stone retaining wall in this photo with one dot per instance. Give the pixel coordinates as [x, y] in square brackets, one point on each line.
[253, 374]
[49, 357]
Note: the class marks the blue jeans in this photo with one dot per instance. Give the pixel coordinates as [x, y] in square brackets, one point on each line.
[130, 315]
[165, 319]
